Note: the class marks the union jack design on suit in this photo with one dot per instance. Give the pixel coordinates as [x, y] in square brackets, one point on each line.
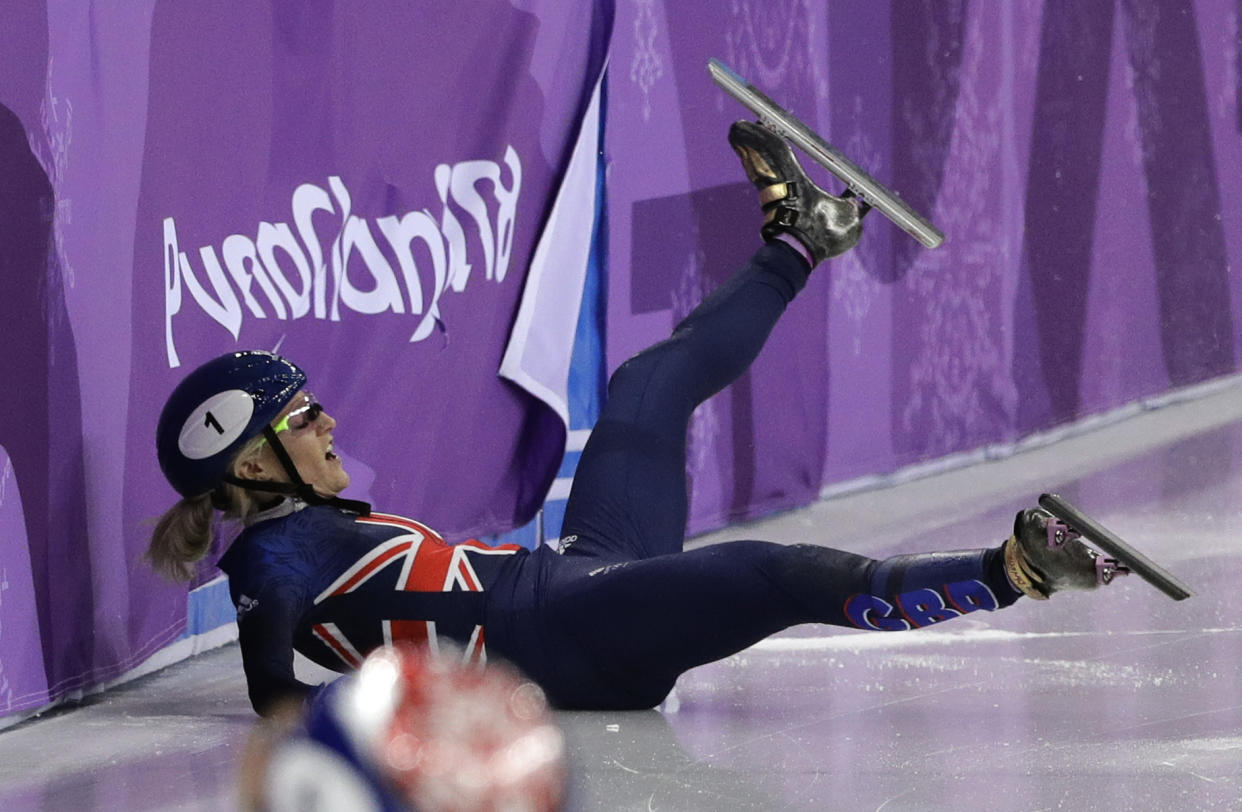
[334, 585]
[427, 564]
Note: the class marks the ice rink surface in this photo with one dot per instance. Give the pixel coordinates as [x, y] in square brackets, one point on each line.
[1121, 699]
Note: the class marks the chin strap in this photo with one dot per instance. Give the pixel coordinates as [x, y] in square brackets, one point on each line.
[298, 487]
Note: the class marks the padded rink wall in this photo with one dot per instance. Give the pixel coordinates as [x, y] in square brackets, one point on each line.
[1080, 157]
[352, 187]
[375, 193]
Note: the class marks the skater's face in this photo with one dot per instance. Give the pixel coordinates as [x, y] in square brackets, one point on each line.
[306, 432]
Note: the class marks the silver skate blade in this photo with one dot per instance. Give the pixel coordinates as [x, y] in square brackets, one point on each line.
[1097, 535]
[879, 196]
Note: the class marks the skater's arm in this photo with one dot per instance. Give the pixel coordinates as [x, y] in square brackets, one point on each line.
[266, 637]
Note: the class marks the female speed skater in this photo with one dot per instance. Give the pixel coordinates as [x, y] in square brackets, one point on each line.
[612, 619]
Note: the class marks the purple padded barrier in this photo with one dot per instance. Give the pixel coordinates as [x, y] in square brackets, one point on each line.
[360, 188]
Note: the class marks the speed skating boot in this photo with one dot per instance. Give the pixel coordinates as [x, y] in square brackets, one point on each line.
[825, 225]
[1044, 556]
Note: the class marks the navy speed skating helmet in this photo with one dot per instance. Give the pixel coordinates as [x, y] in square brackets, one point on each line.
[216, 410]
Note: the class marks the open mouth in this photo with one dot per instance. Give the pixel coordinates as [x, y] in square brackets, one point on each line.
[330, 455]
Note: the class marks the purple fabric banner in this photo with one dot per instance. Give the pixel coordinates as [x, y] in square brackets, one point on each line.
[359, 188]
[1076, 155]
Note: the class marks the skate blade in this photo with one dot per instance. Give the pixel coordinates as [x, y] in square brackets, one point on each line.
[1095, 534]
[874, 193]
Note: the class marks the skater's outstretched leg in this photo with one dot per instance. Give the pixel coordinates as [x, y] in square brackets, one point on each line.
[645, 622]
[629, 494]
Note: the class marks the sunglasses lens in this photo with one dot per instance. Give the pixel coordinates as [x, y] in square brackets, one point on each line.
[307, 415]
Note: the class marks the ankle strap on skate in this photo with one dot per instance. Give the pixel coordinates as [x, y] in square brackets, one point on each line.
[778, 192]
[1020, 574]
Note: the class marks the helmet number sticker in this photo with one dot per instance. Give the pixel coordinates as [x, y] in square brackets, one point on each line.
[216, 424]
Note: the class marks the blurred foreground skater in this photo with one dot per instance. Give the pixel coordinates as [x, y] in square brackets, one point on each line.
[410, 731]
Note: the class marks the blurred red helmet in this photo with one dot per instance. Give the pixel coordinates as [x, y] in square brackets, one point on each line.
[426, 732]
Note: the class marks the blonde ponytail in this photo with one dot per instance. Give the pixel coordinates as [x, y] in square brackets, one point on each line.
[182, 536]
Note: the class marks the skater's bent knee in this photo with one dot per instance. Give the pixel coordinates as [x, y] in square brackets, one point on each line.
[633, 374]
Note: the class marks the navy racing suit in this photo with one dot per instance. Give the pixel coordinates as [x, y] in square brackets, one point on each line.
[613, 619]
